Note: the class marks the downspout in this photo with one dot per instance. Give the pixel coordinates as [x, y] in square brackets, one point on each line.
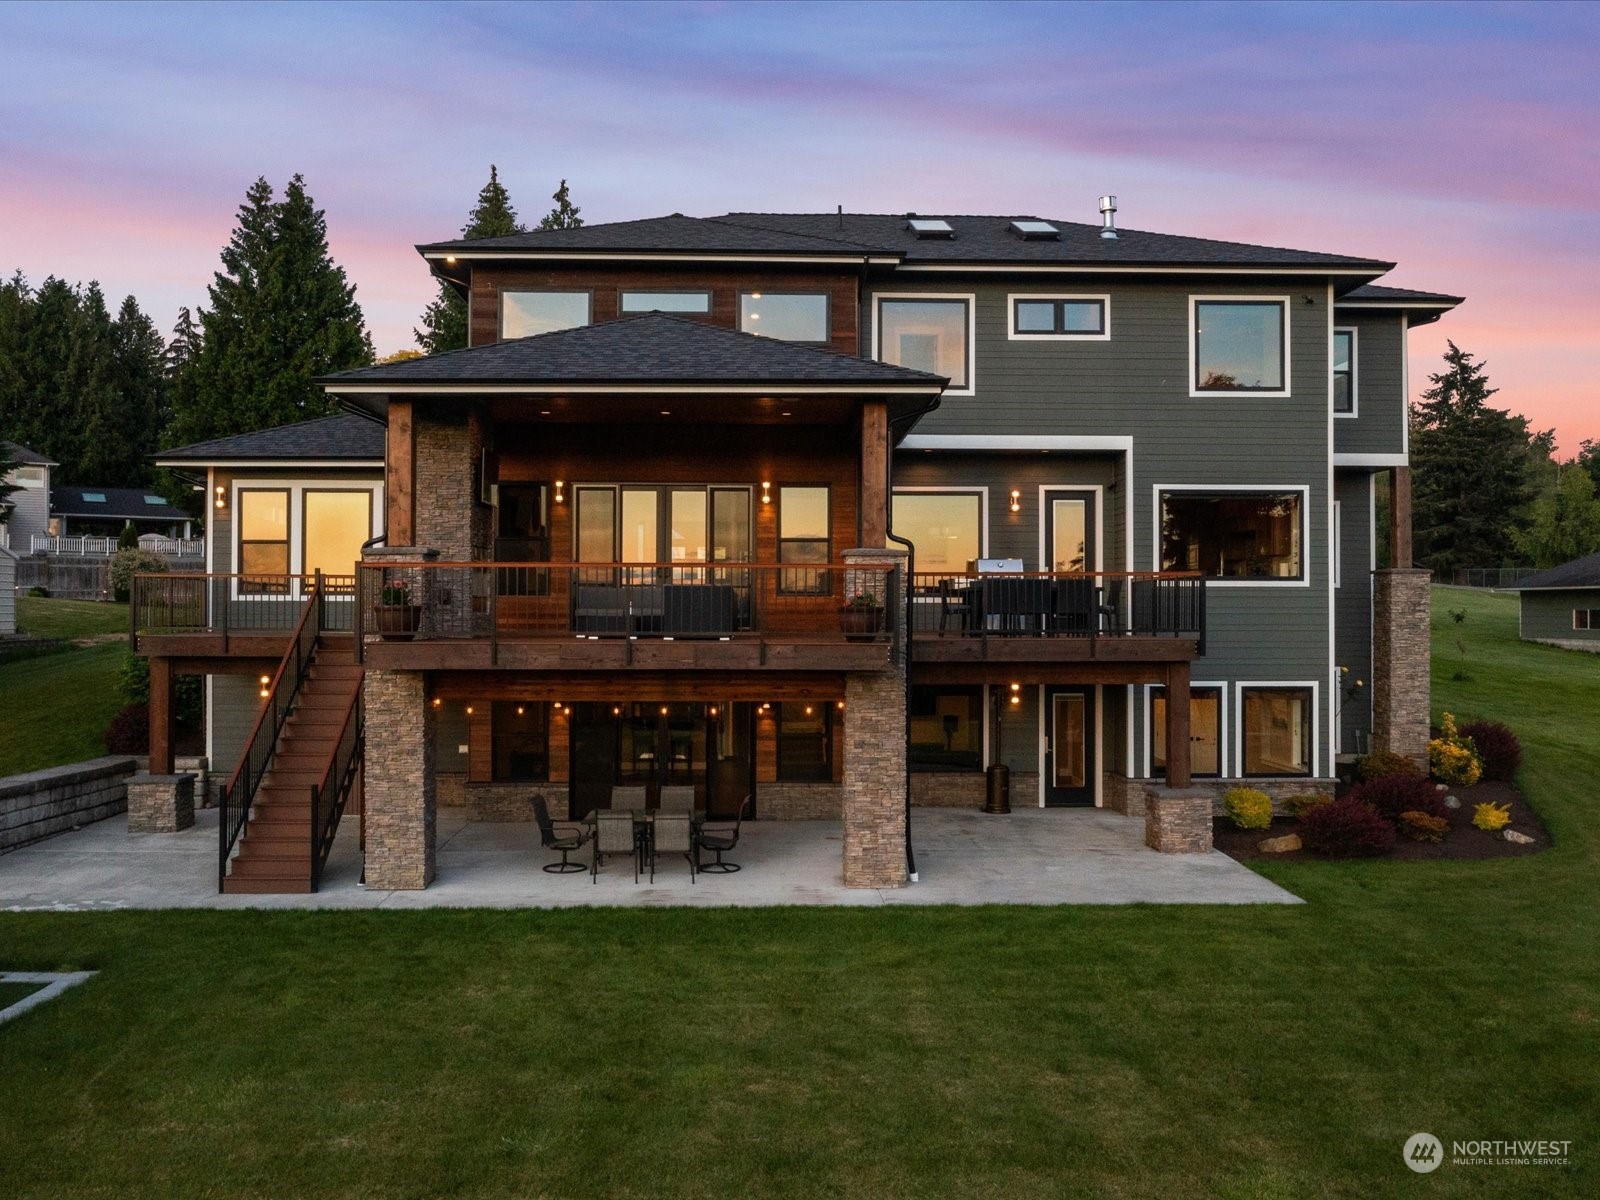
[911, 568]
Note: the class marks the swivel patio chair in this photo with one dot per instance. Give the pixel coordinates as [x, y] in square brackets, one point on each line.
[614, 834]
[722, 839]
[671, 833]
[552, 839]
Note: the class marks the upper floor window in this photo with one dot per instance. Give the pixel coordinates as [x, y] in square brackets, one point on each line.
[945, 527]
[786, 316]
[264, 540]
[803, 537]
[928, 333]
[526, 313]
[667, 302]
[1232, 535]
[1344, 371]
[1059, 317]
[1240, 345]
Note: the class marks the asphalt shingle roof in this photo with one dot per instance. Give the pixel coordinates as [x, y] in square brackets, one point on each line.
[342, 436]
[650, 348]
[22, 456]
[662, 235]
[121, 503]
[1579, 573]
[1398, 296]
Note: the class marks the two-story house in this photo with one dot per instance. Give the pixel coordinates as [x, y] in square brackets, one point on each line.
[836, 511]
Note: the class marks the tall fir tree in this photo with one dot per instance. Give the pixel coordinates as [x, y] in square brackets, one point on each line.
[1470, 470]
[282, 312]
[565, 214]
[444, 321]
[16, 319]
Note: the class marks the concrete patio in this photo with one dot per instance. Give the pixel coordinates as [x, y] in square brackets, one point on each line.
[1032, 856]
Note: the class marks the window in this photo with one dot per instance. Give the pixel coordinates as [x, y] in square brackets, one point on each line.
[336, 524]
[945, 527]
[524, 314]
[1205, 731]
[1344, 371]
[1586, 618]
[597, 521]
[803, 537]
[263, 541]
[946, 728]
[520, 732]
[1058, 317]
[1240, 346]
[1276, 723]
[669, 302]
[805, 741]
[928, 334]
[1232, 535]
[663, 524]
[786, 316]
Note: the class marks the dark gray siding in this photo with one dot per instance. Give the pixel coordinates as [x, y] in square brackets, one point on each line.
[1379, 424]
[235, 703]
[1353, 608]
[1547, 616]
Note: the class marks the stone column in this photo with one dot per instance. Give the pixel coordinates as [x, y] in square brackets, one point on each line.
[161, 803]
[1178, 820]
[1400, 660]
[875, 740]
[399, 797]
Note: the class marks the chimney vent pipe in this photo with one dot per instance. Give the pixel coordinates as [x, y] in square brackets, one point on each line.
[1108, 216]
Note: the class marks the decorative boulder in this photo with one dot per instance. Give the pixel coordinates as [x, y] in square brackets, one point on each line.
[1280, 845]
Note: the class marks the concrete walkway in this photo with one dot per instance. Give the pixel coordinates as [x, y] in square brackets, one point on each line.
[1033, 856]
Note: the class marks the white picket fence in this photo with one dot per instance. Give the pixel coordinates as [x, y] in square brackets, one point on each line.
[105, 547]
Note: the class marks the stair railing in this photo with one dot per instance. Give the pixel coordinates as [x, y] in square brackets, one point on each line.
[328, 797]
[277, 700]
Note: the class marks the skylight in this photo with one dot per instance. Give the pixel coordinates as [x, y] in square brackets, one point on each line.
[929, 227]
[1031, 230]
[94, 497]
[155, 500]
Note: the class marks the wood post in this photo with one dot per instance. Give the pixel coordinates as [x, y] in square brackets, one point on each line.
[399, 476]
[874, 474]
[1178, 725]
[163, 714]
[1400, 517]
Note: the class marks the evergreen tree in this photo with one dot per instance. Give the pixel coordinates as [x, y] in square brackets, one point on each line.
[444, 321]
[7, 465]
[1470, 467]
[282, 313]
[1566, 521]
[565, 214]
[121, 437]
[16, 319]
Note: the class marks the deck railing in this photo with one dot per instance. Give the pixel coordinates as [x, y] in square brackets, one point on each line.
[88, 546]
[227, 604]
[503, 600]
[1093, 604]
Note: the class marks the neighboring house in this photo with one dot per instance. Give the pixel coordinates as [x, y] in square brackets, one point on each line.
[1561, 606]
[8, 592]
[28, 514]
[621, 525]
[106, 511]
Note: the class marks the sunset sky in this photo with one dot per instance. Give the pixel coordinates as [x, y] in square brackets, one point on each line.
[1459, 141]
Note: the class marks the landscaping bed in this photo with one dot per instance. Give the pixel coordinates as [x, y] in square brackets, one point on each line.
[1463, 841]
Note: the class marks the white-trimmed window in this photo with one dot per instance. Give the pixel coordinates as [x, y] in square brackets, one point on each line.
[1059, 318]
[1277, 729]
[785, 316]
[1255, 534]
[667, 302]
[1586, 618]
[1205, 731]
[1239, 344]
[288, 529]
[946, 526]
[932, 333]
[528, 313]
[1344, 372]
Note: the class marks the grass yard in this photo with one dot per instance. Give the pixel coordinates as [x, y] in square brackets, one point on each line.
[1121, 1052]
[54, 709]
[10, 992]
[44, 617]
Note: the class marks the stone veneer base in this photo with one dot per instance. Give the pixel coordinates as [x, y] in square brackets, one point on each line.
[160, 803]
[1177, 820]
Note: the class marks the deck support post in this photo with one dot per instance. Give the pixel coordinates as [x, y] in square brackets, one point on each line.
[874, 473]
[875, 743]
[399, 801]
[163, 714]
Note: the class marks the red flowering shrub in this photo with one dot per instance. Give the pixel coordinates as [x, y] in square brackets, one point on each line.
[1498, 748]
[1347, 828]
[129, 731]
[1392, 795]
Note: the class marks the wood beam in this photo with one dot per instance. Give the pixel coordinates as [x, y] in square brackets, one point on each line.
[708, 687]
[399, 476]
[163, 715]
[1178, 725]
[1400, 517]
[874, 474]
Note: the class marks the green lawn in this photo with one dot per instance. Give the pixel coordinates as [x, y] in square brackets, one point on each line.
[10, 993]
[54, 709]
[1123, 1052]
[44, 617]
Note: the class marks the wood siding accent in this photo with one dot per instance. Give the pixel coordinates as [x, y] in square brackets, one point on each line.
[473, 687]
[480, 744]
[606, 285]
[400, 474]
[874, 473]
[766, 746]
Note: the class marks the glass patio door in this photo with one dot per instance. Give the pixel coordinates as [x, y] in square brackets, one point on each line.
[1070, 749]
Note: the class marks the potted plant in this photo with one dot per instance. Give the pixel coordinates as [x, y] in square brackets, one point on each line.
[394, 615]
[861, 617]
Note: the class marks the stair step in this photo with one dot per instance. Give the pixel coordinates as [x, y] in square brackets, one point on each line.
[266, 887]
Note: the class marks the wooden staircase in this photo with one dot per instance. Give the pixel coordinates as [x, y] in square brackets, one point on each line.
[274, 853]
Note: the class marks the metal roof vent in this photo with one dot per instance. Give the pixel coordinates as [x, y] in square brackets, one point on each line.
[1035, 231]
[930, 227]
[1108, 217]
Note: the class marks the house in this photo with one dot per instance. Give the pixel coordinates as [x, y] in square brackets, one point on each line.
[838, 510]
[104, 512]
[1561, 606]
[26, 512]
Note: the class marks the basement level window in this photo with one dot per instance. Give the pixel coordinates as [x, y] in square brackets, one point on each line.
[925, 227]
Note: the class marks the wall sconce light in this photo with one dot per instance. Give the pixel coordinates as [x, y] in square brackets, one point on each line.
[265, 680]
[766, 492]
[616, 711]
[519, 710]
[437, 702]
[664, 710]
[567, 711]
[1016, 693]
[222, 496]
[840, 706]
[1016, 500]
[808, 710]
[560, 498]
[712, 711]
[469, 710]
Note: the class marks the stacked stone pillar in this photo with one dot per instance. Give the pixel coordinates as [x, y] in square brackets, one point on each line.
[400, 799]
[1400, 661]
[875, 737]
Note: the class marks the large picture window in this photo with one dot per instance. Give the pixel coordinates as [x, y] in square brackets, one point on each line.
[264, 541]
[946, 728]
[336, 525]
[1232, 535]
[1344, 371]
[1240, 346]
[945, 527]
[805, 741]
[525, 314]
[1205, 732]
[1276, 728]
[785, 316]
[928, 334]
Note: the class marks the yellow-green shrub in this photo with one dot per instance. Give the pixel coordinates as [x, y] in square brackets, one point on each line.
[1491, 817]
[1248, 808]
[1452, 758]
[1420, 827]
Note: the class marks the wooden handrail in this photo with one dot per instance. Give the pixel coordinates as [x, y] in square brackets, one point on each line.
[398, 565]
[310, 608]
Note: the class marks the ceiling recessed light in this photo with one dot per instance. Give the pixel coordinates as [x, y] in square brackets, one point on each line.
[544, 412]
[666, 412]
[788, 414]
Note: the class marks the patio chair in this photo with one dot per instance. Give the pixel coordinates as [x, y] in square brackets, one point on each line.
[671, 833]
[720, 840]
[628, 799]
[613, 834]
[677, 798]
[552, 839]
